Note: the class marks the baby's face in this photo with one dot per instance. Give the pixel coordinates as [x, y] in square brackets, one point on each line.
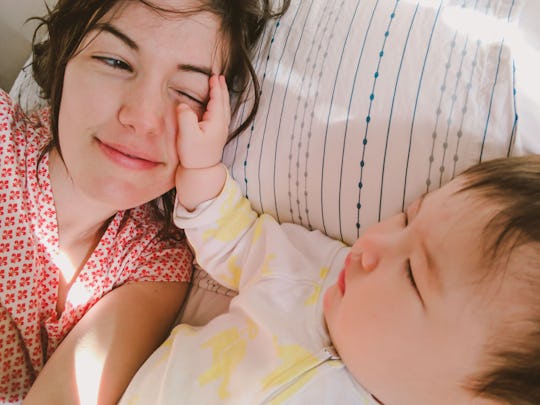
[414, 337]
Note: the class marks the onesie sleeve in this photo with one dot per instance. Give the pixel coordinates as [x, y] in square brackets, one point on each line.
[230, 240]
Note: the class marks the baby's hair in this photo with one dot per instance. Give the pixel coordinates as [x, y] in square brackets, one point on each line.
[69, 21]
[512, 185]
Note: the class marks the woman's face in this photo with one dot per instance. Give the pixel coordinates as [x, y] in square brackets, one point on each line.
[118, 122]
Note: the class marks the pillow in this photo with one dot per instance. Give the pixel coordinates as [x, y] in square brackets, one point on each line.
[25, 91]
[367, 104]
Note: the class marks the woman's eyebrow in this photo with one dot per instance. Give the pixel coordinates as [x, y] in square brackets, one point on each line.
[107, 27]
[186, 67]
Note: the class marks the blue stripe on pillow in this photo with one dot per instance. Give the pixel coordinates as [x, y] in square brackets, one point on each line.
[392, 105]
[369, 116]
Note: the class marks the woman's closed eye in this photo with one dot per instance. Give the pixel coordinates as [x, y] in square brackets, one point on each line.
[185, 96]
[114, 63]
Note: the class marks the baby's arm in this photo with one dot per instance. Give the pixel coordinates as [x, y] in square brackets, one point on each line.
[201, 175]
[229, 239]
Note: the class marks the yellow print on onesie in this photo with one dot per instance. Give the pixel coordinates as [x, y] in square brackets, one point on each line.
[314, 297]
[165, 349]
[297, 367]
[232, 276]
[233, 221]
[228, 351]
[266, 264]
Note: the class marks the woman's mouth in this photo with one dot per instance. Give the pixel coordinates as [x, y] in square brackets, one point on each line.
[126, 158]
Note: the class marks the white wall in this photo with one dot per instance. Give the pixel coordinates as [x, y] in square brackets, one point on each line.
[15, 35]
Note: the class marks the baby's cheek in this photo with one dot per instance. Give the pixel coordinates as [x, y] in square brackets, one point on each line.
[329, 302]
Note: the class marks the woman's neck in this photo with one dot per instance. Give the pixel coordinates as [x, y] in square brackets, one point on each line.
[80, 219]
[81, 222]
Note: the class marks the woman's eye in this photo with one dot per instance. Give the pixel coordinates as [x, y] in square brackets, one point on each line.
[191, 98]
[114, 63]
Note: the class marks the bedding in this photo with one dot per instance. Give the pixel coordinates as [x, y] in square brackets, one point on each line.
[366, 104]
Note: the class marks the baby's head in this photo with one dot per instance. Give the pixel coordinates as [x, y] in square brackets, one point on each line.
[441, 304]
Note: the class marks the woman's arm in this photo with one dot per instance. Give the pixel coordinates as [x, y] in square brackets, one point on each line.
[97, 359]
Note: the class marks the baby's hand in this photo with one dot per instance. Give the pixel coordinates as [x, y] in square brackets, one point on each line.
[200, 176]
[200, 144]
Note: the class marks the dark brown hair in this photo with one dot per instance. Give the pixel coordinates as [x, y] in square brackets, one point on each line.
[67, 24]
[512, 372]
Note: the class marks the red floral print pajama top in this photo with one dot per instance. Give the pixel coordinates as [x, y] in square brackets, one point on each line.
[30, 329]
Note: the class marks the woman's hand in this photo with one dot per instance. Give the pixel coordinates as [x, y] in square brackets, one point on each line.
[200, 176]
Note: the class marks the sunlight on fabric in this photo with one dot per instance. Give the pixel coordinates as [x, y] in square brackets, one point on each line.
[78, 293]
[478, 25]
[527, 53]
[63, 262]
[425, 3]
[522, 43]
[88, 369]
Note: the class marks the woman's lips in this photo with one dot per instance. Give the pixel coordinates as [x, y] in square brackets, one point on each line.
[125, 158]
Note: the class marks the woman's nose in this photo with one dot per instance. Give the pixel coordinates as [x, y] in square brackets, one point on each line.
[143, 110]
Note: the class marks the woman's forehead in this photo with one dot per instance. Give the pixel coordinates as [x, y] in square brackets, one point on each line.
[168, 8]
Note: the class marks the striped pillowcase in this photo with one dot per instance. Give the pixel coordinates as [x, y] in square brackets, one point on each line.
[366, 104]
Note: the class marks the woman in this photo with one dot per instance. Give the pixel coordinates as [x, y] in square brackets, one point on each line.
[88, 243]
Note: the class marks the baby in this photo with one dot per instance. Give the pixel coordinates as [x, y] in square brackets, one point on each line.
[437, 305]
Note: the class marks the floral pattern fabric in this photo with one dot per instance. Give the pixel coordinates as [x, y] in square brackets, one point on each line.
[30, 328]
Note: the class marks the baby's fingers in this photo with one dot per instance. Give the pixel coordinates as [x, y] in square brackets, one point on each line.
[218, 109]
[188, 127]
[226, 100]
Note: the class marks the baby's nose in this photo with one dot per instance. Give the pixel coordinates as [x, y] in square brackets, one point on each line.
[367, 261]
